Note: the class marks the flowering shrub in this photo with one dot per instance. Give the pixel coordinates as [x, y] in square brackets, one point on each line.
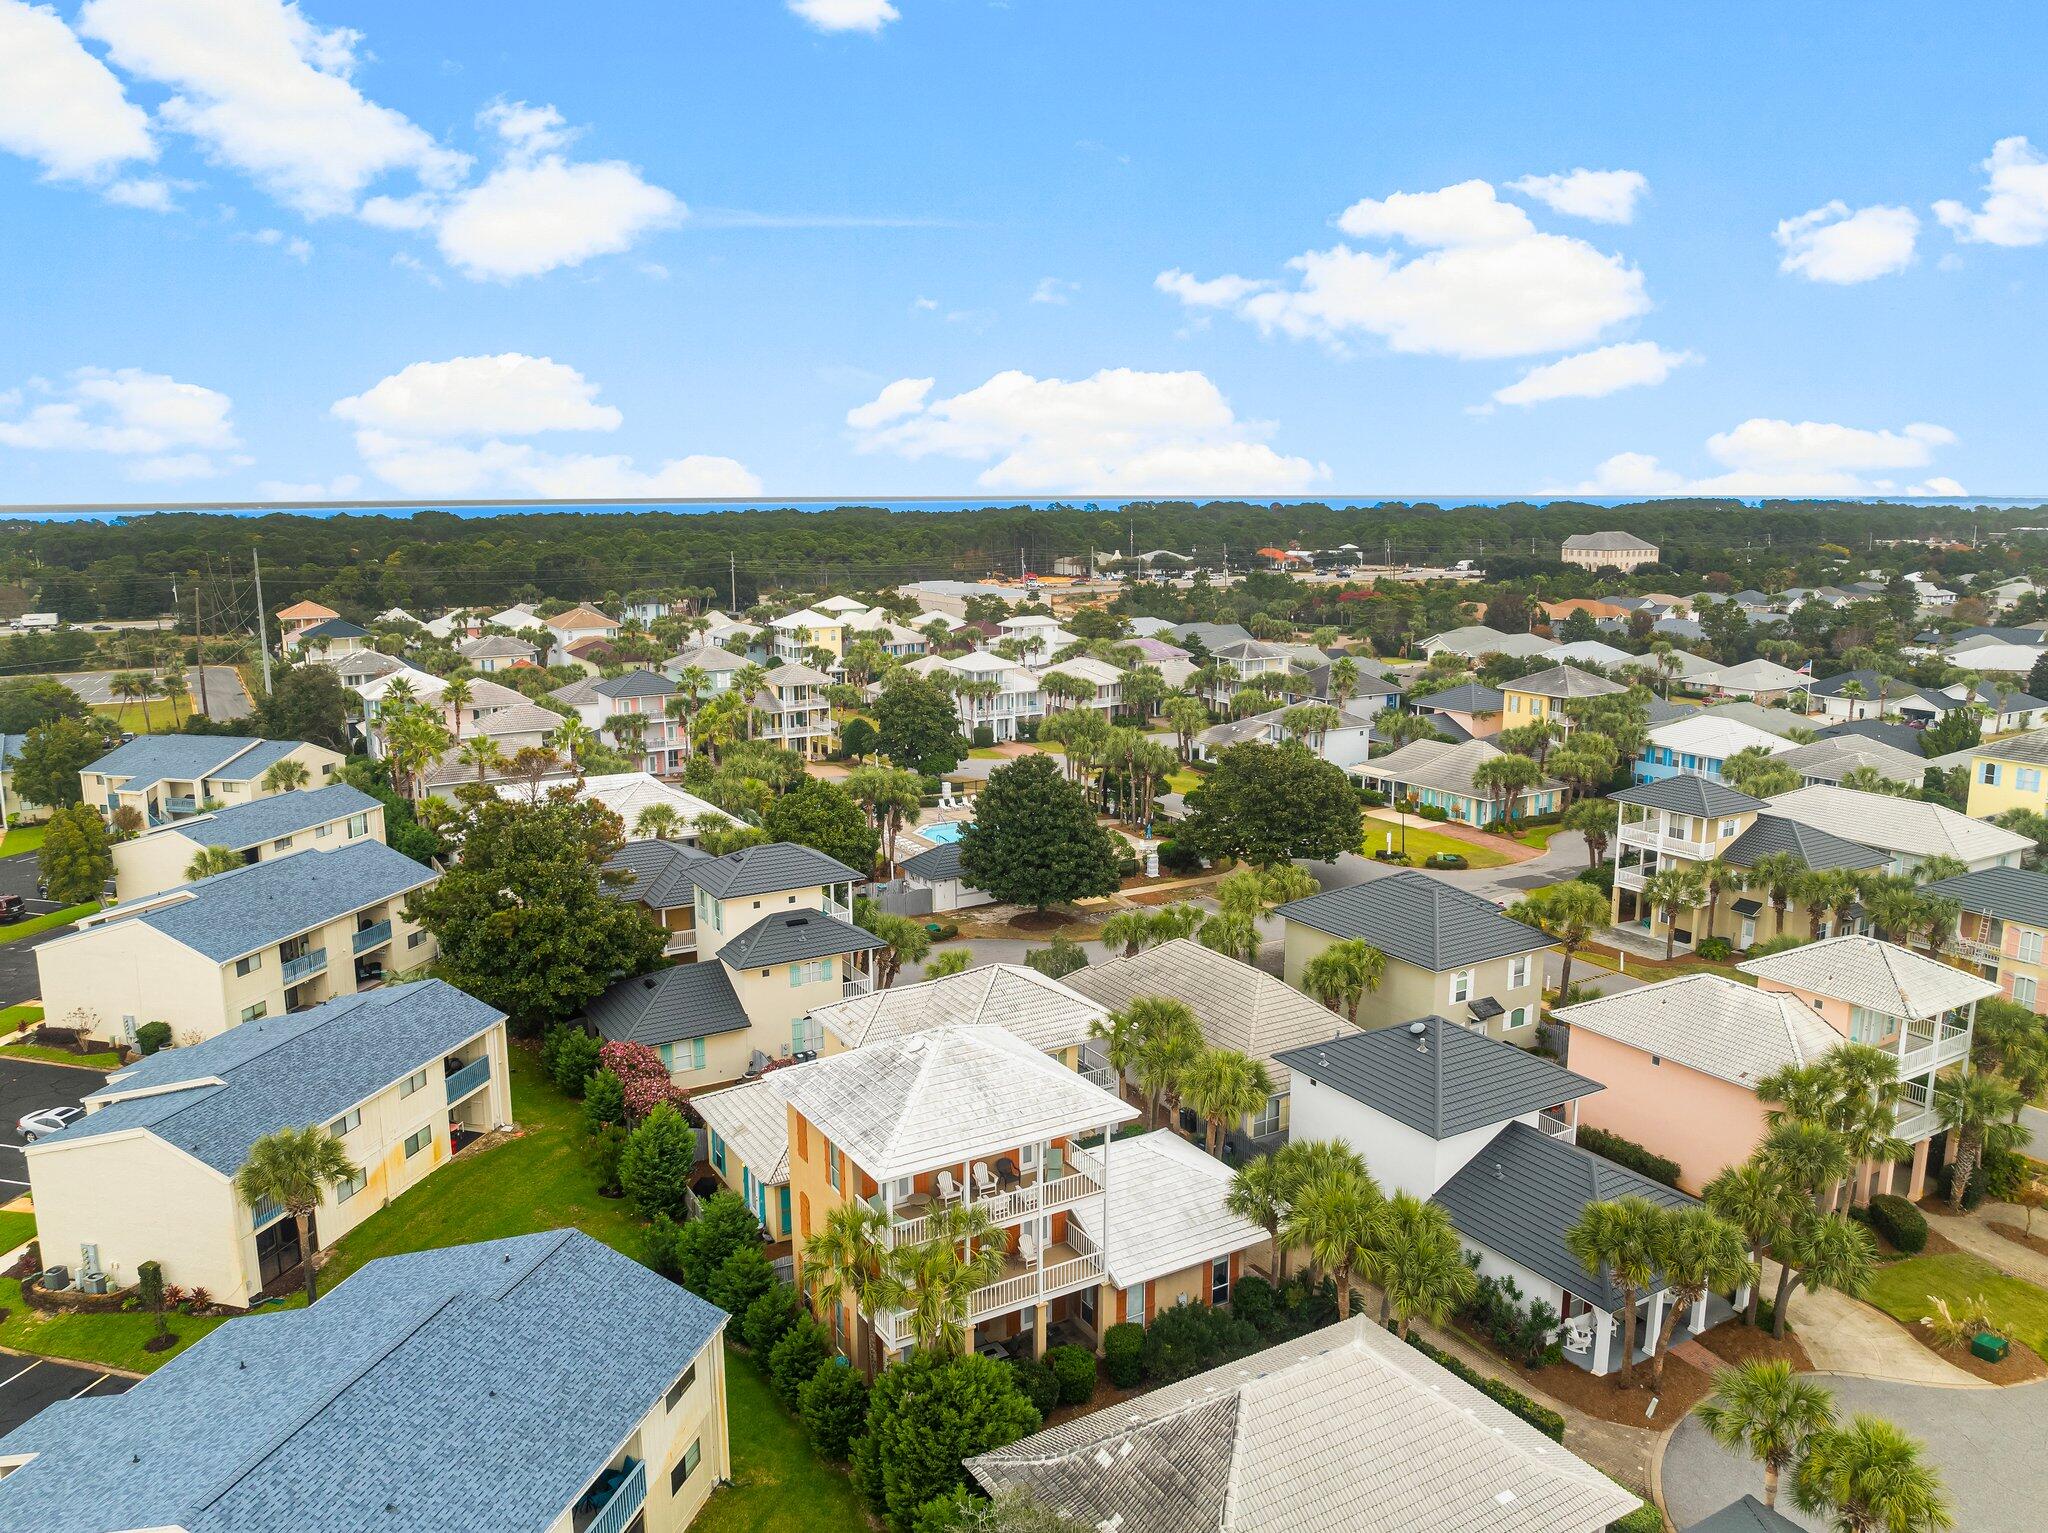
[643, 1076]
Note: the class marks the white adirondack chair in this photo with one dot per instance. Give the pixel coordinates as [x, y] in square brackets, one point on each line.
[1578, 1333]
[949, 1190]
[984, 1180]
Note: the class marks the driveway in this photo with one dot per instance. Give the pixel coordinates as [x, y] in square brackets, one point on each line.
[1991, 1446]
[26, 1085]
[28, 1384]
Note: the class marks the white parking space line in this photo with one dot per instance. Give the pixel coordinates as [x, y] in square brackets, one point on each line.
[13, 1376]
[97, 1379]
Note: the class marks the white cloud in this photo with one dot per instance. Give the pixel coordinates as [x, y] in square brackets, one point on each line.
[529, 218]
[341, 487]
[1777, 457]
[126, 412]
[1603, 196]
[2015, 210]
[1487, 283]
[59, 105]
[1593, 374]
[269, 93]
[507, 395]
[147, 192]
[1119, 431]
[417, 431]
[298, 249]
[924, 305]
[868, 16]
[173, 467]
[1832, 244]
[418, 211]
[1053, 290]
[527, 129]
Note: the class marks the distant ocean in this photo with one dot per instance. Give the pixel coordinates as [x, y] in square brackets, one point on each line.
[707, 507]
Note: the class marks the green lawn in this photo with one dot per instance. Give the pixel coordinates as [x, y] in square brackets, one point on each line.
[15, 1018]
[778, 1484]
[1538, 836]
[35, 926]
[22, 838]
[1904, 1289]
[1186, 780]
[161, 716]
[1423, 842]
[15, 1229]
[114, 1341]
[539, 1181]
[62, 1056]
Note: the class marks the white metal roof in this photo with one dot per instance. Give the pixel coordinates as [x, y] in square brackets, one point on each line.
[1166, 1208]
[1907, 825]
[1702, 734]
[1878, 975]
[1042, 1011]
[1710, 1023]
[754, 1121]
[1752, 676]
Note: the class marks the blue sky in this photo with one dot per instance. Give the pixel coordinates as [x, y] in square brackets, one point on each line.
[904, 247]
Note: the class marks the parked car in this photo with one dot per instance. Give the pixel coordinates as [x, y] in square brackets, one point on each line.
[12, 907]
[47, 1120]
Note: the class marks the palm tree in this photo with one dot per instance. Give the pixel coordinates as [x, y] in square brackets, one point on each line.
[1232, 934]
[1821, 1252]
[286, 776]
[1173, 922]
[1864, 1112]
[1978, 1109]
[657, 820]
[1775, 876]
[890, 795]
[1260, 1190]
[1343, 972]
[1759, 1200]
[1719, 878]
[939, 1274]
[844, 1260]
[481, 752]
[1504, 779]
[455, 697]
[1620, 1237]
[1671, 890]
[953, 961]
[1169, 1041]
[570, 739]
[1769, 1410]
[1571, 914]
[1596, 820]
[209, 860]
[130, 686]
[1131, 929]
[293, 1168]
[1332, 1215]
[1226, 1087]
[170, 687]
[1419, 1262]
[1868, 1477]
[1697, 1250]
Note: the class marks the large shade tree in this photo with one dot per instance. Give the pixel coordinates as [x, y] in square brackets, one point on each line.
[1270, 804]
[1034, 840]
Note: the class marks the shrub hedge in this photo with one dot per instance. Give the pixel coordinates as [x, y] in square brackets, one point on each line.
[1074, 1370]
[1899, 1222]
[1626, 1152]
[1123, 1348]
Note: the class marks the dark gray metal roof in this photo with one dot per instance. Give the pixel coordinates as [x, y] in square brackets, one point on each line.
[1417, 919]
[1748, 1515]
[2011, 894]
[936, 863]
[771, 869]
[664, 873]
[1886, 732]
[690, 1000]
[1472, 697]
[334, 628]
[635, 683]
[1818, 849]
[1521, 1193]
[794, 936]
[1689, 793]
[1442, 1081]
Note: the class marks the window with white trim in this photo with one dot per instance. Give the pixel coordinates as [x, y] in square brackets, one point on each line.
[1268, 1119]
[358, 825]
[343, 1191]
[1519, 1017]
[1518, 971]
[1461, 987]
[1219, 1281]
[2029, 779]
[2030, 947]
[2024, 989]
[411, 1083]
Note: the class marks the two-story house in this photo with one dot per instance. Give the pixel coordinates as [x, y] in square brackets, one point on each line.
[258, 941]
[717, 666]
[497, 652]
[796, 634]
[1014, 696]
[1471, 711]
[1041, 636]
[1449, 953]
[166, 777]
[1700, 744]
[402, 1077]
[631, 710]
[1086, 671]
[1243, 664]
[2007, 774]
[1909, 830]
[297, 618]
[579, 623]
[317, 820]
[2003, 928]
[659, 877]
[438, 1388]
[794, 711]
[335, 636]
[1539, 698]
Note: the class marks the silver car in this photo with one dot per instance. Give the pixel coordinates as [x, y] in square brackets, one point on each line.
[47, 1120]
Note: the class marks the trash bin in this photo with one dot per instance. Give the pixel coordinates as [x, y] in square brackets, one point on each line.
[1989, 1348]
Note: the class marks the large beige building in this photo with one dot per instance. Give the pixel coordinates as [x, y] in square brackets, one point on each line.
[1608, 550]
[256, 942]
[318, 820]
[167, 777]
[403, 1078]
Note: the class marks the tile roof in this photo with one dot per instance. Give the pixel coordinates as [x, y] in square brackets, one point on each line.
[1437, 1077]
[1446, 765]
[265, 819]
[1910, 826]
[663, 873]
[1236, 1005]
[1417, 919]
[1303, 1438]
[1591, 652]
[686, 1000]
[706, 657]
[370, 1408]
[626, 794]
[1521, 1193]
[1710, 1023]
[1562, 681]
[520, 718]
[1689, 793]
[1043, 1012]
[2011, 894]
[1776, 721]
[1212, 636]
[772, 869]
[581, 616]
[1700, 734]
[1815, 848]
[1754, 676]
[217, 1098]
[752, 1119]
[1608, 542]
[1833, 759]
[794, 936]
[936, 1098]
[496, 646]
[1866, 972]
[1167, 1208]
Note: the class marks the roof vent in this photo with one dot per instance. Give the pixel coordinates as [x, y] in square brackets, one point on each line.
[648, 982]
[1419, 1031]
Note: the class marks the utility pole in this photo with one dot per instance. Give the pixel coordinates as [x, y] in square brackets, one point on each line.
[262, 622]
[198, 651]
[732, 565]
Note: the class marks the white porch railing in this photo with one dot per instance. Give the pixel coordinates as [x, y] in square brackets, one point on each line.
[1006, 1294]
[1924, 1051]
[1672, 846]
[1556, 1127]
[1010, 1207]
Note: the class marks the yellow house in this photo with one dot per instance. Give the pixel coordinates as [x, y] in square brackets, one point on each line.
[403, 1078]
[798, 633]
[1539, 697]
[2007, 774]
[167, 777]
[319, 820]
[453, 1387]
[2003, 932]
[255, 942]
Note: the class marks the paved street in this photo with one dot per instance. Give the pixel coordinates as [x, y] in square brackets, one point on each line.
[1990, 1444]
[27, 1384]
[2036, 1122]
[25, 1086]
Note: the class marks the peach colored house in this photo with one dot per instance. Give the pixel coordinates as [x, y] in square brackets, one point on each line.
[1680, 1061]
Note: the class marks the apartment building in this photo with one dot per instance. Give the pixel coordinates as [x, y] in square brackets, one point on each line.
[2003, 928]
[794, 711]
[316, 820]
[631, 710]
[1608, 550]
[167, 777]
[259, 941]
[446, 1388]
[403, 1077]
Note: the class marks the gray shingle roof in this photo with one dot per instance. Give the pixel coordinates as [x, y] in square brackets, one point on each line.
[771, 869]
[664, 873]
[1689, 793]
[422, 1390]
[793, 936]
[935, 864]
[2011, 894]
[1564, 681]
[183, 758]
[690, 1000]
[2030, 747]
[237, 912]
[1417, 919]
[282, 814]
[1442, 1081]
[1748, 1515]
[215, 1099]
[1521, 1193]
[1817, 849]
[254, 762]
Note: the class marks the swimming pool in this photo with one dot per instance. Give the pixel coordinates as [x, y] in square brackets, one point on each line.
[941, 835]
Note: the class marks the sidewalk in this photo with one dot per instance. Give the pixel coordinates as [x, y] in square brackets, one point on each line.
[1969, 1231]
[1843, 1335]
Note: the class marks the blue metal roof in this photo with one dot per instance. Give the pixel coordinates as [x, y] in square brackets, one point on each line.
[282, 814]
[217, 1098]
[246, 908]
[439, 1392]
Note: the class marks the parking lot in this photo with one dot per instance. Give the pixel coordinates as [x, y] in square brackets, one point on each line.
[28, 1384]
[18, 959]
[25, 1086]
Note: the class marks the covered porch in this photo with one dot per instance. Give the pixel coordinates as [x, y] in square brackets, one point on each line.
[1591, 1336]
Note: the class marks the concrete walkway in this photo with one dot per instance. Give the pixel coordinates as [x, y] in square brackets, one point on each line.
[1846, 1336]
[1969, 1231]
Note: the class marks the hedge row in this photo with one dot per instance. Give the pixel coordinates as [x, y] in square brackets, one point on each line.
[1541, 1417]
[1626, 1152]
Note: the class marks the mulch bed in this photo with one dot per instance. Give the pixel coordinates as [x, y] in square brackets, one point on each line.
[1734, 1342]
[1938, 1244]
[2018, 1236]
[1607, 1398]
[2022, 1364]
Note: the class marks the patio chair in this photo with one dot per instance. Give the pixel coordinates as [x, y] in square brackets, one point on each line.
[949, 1190]
[984, 1179]
[1027, 1247]
[1578, 1333]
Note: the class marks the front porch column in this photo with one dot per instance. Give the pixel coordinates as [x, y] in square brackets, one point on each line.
[1742, 1297]
[1697, 1321]
[1041, 1316]
[1649, 1338]
[967, 1340]
[1105, 1298]
[1603, 1335]
[1916, 1181]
